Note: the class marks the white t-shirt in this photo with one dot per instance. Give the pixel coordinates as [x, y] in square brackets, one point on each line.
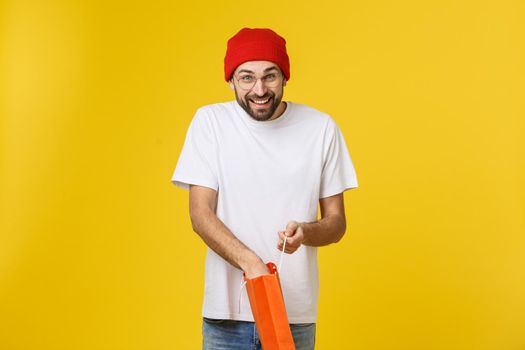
[265, 174]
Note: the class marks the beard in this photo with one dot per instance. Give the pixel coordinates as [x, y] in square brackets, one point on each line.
[260, 114]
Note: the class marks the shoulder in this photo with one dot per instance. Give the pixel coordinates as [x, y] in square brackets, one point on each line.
[216, 110]
[314, 116]
[211, 116]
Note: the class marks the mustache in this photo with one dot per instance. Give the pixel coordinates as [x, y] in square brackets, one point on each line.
[260, 97]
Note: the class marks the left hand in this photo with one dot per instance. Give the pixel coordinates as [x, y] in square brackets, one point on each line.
[294, 232]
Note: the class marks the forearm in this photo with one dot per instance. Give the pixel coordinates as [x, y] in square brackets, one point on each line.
[222, 241]
[329, 229]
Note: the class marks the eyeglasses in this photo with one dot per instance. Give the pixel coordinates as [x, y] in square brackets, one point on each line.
[248, 81]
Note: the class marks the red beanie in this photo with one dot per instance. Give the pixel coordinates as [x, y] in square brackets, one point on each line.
[256, 44]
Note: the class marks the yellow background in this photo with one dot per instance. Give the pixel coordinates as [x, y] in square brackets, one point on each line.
[96, 246]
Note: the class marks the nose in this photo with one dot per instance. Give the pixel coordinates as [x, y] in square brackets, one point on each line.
[259, 88]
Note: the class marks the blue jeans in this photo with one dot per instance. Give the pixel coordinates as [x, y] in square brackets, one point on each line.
[242, 335]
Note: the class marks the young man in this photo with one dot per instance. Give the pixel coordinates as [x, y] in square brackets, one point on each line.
[256, 169]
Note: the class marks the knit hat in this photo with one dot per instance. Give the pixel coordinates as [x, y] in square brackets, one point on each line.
[256, 44]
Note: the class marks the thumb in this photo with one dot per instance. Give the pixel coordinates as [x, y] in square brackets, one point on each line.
[291, 227]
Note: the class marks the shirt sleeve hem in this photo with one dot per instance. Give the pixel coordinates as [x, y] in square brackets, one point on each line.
[336, 190]
[185, 183]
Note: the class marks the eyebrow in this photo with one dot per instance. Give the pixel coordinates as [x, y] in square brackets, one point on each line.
[265, 71]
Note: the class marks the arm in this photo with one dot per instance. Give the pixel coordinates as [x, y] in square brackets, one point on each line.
[330, 229]
[217, 236]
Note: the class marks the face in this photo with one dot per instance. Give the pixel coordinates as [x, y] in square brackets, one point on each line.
[261, 101]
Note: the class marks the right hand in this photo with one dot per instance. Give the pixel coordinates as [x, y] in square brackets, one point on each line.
[256, 269]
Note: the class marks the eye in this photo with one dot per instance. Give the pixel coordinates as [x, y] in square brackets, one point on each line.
[247, 78]
[270, 77]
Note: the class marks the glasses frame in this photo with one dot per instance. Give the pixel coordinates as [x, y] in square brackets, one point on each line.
[278, 80]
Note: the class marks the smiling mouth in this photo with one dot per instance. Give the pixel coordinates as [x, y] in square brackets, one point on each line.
[260, 102]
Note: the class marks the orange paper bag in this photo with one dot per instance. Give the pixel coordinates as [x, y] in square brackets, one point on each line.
[267, 303]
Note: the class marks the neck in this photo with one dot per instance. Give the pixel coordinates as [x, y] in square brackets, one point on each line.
[279, 111]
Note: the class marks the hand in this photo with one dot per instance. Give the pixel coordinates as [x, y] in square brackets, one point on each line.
[256, 269]
[294, 232]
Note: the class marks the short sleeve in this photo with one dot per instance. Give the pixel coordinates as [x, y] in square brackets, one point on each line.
[197, 161]
[338, 174]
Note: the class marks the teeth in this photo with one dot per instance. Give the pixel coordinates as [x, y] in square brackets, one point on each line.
[261, 102]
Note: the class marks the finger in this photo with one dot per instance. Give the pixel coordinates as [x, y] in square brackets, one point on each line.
[292, 226]
[280, 240]
[285, 233]
[280, 243]
[290, 251]
[289, 233]
[291, 241]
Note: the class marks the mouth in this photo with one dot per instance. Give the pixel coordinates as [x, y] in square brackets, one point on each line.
[261, 102]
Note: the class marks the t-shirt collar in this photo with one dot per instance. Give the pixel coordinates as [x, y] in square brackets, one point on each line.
[264, 124]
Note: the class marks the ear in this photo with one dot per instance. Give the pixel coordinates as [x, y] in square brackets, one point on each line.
[284, 82]
[230, 82]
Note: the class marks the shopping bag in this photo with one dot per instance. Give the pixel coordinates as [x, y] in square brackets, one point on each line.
[269, 312]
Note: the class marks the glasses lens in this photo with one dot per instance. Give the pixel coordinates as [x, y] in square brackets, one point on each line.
[272, 83]
[247, 82]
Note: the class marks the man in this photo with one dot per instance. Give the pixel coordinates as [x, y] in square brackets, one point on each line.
[256, 169]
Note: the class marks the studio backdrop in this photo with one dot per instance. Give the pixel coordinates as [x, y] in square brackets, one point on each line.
[96, 245]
